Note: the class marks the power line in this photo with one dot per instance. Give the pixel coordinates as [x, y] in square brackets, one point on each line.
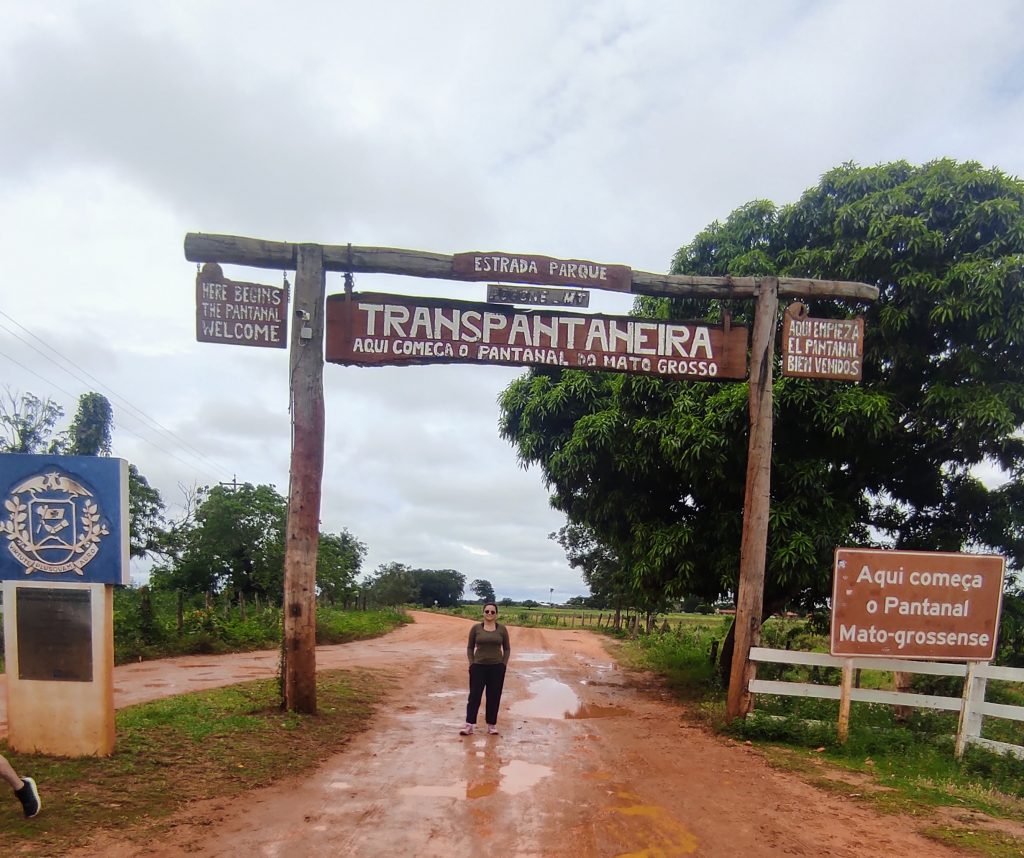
[141, 415]
[138, 413]
[123, 428]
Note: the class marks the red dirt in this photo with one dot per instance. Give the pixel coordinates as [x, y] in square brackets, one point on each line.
[589, 763]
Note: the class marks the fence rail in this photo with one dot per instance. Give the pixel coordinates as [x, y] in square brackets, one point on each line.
[971, 704]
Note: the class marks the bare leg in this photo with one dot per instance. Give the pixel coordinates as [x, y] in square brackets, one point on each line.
[8, 773]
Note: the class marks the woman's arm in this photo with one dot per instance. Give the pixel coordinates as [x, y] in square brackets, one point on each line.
[506, 646]
[471, 646]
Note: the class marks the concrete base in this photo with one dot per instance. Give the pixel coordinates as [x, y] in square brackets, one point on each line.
[62, 718]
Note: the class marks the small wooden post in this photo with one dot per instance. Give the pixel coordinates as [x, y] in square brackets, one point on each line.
[974, 716]
[970, 716]
[845, 687]
[903, 682]
[754, 544]
[306, 477]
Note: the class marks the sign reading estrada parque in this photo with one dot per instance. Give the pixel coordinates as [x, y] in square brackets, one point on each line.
[916, 604]
[544, 270]
[376, 329]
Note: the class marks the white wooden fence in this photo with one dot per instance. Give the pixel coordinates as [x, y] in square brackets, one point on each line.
[971, 705]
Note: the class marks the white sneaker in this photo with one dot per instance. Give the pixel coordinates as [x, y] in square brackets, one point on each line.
[492, 729]
[468, 730]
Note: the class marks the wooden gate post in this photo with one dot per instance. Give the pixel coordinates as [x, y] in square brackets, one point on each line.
[845, 695]
[969, 724]
[306, 371]
[754, 544]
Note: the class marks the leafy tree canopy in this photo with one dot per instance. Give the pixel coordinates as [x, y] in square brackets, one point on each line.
[91, 427]
[655, 469]
[235, 543]
[443, 587]
[29, 426]
[339, 560]
[392, 584]
[27, 423]
[483, 589]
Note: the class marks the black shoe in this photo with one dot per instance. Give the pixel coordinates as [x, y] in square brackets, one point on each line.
[28, 795]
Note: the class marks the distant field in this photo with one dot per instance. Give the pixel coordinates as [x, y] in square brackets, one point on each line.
[569, 617]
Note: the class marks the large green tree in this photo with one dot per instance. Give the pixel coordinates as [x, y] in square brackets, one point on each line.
[441, 587]
[602, 570]
[655, 468]
[234, 544]
[483, 589]
[392, 584]
[29, 426]
[339, 560]
[27, 423]
[91, 427]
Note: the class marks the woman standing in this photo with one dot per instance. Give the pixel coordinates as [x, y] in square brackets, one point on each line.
[488, 651]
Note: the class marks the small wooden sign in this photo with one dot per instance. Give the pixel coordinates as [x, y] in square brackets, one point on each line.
[242, 314]
[544, 270]
[377, 329]
[550, 295]
[916, 604]
[821, 348]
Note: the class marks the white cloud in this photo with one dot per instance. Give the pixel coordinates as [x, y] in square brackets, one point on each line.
[597, 130]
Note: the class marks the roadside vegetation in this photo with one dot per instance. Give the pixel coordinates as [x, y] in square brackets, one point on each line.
[897, 762]
[185, 749]
[152, 624]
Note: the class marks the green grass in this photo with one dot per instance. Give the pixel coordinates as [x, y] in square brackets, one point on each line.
[989, 843]
[146, 626]
[590, 618]
[182, 749]
[901, 766]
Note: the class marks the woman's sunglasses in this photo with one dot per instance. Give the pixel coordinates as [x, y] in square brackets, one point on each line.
[490, 612]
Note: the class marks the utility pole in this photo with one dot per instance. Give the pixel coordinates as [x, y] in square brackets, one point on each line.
[756, 499]
[306, 370]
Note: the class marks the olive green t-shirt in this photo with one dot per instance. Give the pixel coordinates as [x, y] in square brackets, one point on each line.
[488, 647]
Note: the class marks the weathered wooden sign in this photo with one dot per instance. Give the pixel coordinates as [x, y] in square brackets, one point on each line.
[821, 348]
[242, 314]
[375, 329]
[545, 270]
[549, 295]
[916, 604]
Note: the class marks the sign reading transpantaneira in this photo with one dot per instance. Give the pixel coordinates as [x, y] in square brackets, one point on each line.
[545, 270]
[916, 604]
[242, 314]
[375, 329]
[821, 348]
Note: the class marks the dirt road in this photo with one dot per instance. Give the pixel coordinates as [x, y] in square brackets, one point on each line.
[588, 764]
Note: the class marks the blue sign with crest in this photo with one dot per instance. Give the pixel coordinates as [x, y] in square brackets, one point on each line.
[64, 518]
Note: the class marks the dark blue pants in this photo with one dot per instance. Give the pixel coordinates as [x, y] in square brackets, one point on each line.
[491, 677]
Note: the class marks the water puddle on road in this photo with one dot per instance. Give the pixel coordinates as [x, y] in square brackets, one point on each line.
[518, 776]
[593, 710]
[532, 656]
[514, 777]
[553, 699]
[548, 698]
[456, 790]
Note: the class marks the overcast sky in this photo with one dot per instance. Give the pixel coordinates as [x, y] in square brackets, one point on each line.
[607, 131]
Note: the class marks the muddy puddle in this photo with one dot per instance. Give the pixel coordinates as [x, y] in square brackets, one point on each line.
[512, 778]
[551, 698]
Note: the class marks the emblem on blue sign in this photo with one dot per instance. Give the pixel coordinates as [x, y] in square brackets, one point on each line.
[64, 518]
